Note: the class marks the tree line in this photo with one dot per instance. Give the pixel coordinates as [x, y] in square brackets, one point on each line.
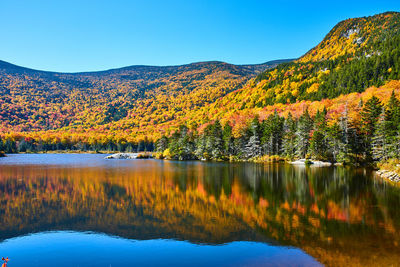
[9, 145]
[374, 137]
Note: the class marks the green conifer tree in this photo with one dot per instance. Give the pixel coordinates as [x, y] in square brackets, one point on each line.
[304, 127]
[370, 113]
[289, 137]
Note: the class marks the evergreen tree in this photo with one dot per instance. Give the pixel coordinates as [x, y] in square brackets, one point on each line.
[184, 144]
[344, 129]
[129, 147]
[181, 144]
[161, 144]
[272, 133]
[392, 111]
[318, 143]
[217, 141]
[253, 147]
[228, 139]
[22, 146]
[141, 146]
[379, 139]
[200, 144]
[335, 143]
[369, 117]
[353, 143]
[10, 146]
[304, 127]
[392, 126]
[241, 142]
[289, 137]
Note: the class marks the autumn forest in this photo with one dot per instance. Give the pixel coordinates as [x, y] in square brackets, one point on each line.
[340, 102]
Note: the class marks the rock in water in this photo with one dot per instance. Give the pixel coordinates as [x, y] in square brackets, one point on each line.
[299, 162]
[315, 163]
[391, 176]
[123, 156]
[319, 163]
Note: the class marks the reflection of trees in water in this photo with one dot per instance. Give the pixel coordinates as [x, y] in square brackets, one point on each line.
[340, 211]
[133, 205]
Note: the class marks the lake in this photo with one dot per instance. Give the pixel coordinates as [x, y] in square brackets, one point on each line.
[82, 210]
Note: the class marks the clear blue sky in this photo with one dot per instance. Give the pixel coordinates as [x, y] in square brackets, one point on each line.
[84, 35]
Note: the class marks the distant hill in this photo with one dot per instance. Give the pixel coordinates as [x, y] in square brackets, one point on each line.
[32, 100]
[7, 67]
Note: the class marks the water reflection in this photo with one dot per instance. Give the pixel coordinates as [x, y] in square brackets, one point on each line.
[340, 216]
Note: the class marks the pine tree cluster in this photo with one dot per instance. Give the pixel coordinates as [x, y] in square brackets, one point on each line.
[374, 138]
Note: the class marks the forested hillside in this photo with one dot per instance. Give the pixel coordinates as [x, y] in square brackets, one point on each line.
[33, 100]
[356, 54]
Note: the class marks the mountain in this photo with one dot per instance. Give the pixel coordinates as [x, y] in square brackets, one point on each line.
[355, 36]
[32, 100]
[356, 54]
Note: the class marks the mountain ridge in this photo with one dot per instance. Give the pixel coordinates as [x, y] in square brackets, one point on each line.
[4, 65]
[32, 100]
[346, 29]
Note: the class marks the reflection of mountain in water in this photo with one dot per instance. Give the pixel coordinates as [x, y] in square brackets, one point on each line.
[336, 215]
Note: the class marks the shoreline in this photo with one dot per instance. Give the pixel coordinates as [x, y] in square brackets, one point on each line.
[155, 155]
[262, 159]
[64, 152]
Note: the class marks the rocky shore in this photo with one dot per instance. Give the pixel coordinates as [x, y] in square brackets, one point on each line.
[391, 176]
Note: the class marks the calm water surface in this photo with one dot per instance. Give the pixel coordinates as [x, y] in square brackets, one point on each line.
[82, 210]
